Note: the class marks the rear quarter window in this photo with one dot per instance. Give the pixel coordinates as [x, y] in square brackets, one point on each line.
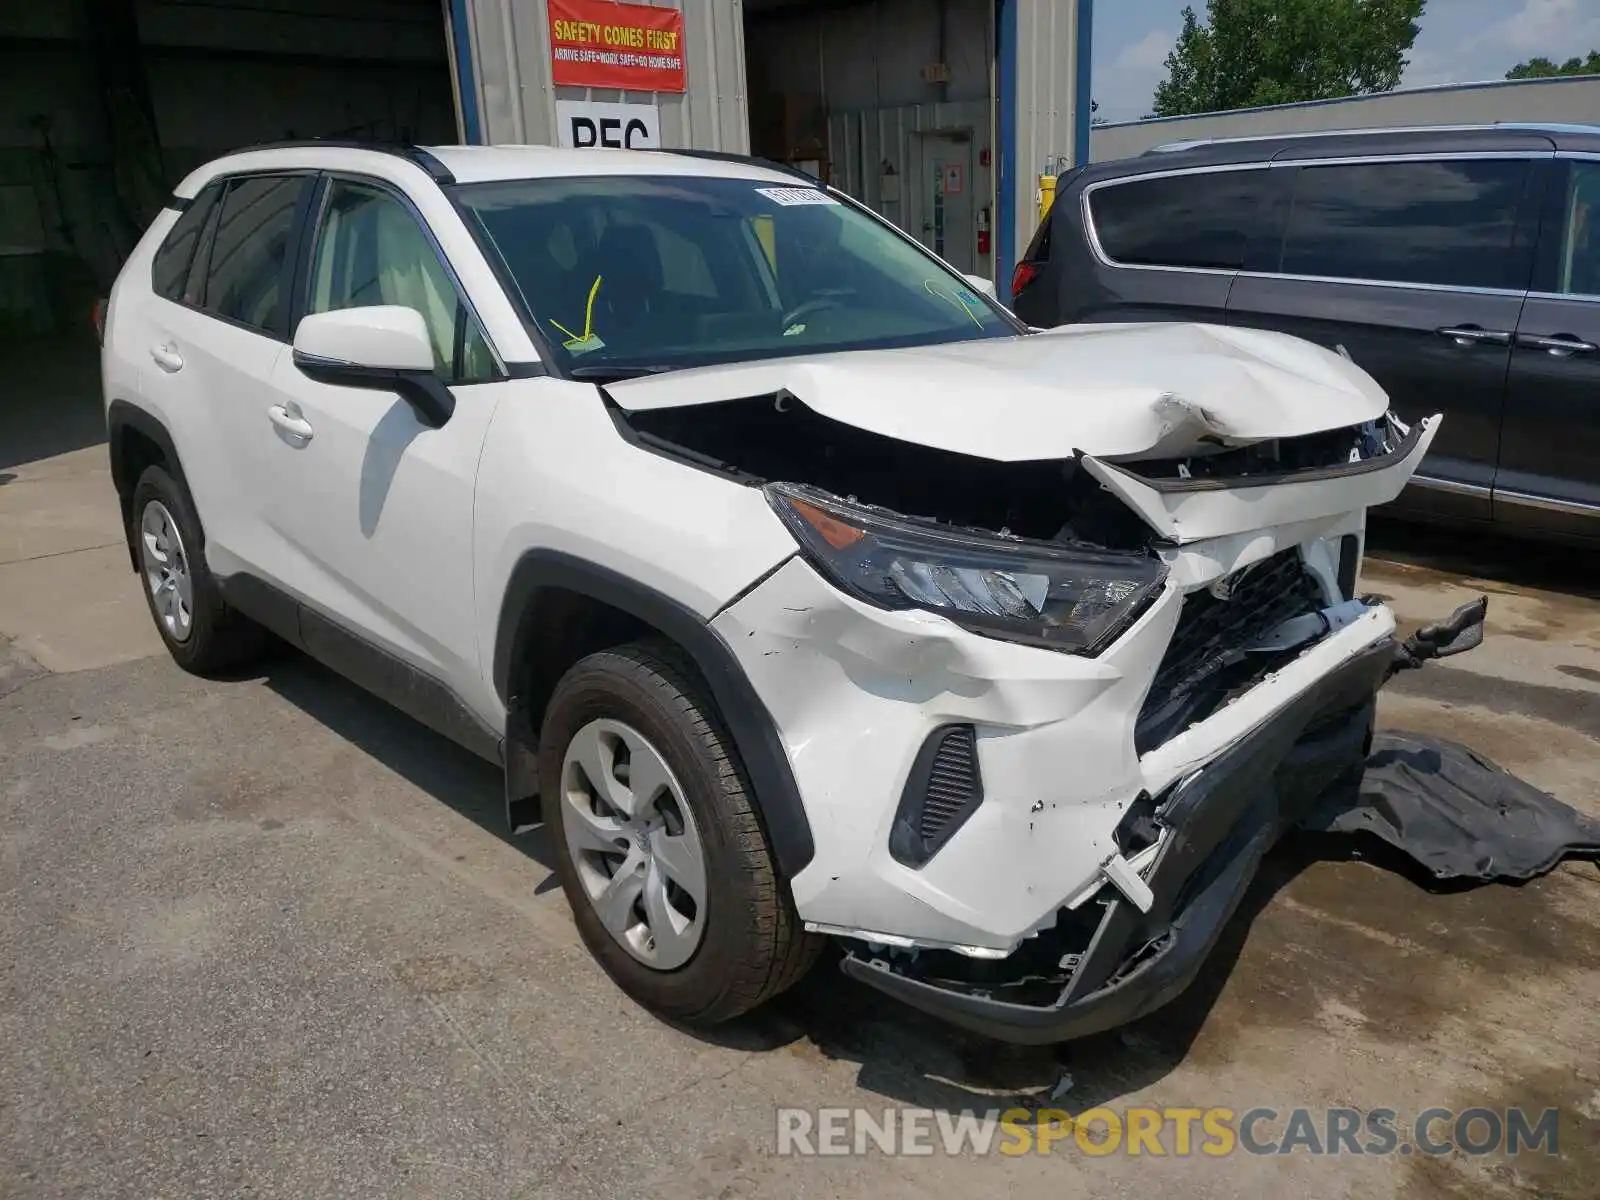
[170, 267]
[1199, 219]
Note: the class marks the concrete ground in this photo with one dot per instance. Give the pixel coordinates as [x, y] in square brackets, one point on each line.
[264, 937]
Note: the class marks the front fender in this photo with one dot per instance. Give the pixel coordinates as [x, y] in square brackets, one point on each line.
[754, 732]
[567, 501]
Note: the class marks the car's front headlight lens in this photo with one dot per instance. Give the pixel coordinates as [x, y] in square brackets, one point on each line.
[1065, 597]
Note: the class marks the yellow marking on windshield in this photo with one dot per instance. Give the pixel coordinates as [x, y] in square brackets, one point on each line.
[931, 286]
[766, 234]
[575, 339]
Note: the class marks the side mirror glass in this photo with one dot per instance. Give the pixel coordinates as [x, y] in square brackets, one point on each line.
[382, 347]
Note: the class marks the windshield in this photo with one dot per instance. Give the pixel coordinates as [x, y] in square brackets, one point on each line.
[623, 274]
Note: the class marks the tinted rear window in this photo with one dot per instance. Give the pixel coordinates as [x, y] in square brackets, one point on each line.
[1195, 220]
[1451, 223]
[171, 264]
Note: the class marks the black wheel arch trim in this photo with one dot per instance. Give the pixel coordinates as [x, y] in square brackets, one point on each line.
[754, 732]
[122, 416]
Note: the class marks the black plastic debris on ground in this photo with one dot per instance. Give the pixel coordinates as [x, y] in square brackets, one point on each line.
[1456, 813]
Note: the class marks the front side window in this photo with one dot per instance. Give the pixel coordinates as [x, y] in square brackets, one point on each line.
[1200, 219]
[1450, 222]
[630, 274]
[371, 250]
[1578, 271]
[250, 251]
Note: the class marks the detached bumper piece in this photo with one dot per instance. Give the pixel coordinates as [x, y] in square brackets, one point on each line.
[1461, 631]
[1108, 963]
[1457, 813]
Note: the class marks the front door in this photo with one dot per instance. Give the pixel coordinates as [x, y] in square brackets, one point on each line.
[948, 227]
[373, 506]
[1549, 476]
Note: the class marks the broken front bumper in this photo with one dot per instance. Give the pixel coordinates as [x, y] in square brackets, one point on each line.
[858, 695]
[1220, 821]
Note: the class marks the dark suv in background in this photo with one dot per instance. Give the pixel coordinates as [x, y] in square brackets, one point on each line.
[1459, 266]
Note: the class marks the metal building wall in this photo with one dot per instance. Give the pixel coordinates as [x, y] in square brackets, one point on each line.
[508, 96]
[1045, 105]
[501, 50]
[1571, 100]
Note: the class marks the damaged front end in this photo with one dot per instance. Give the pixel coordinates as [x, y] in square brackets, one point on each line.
[1130, 949]
[1056, 709]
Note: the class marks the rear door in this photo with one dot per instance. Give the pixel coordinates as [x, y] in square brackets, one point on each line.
[214, 342]
[1549, 477]
[1416, 266]
[142, 333]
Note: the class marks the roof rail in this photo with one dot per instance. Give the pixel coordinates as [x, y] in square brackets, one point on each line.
[1372, 130]
[748, 160]
[436, 170]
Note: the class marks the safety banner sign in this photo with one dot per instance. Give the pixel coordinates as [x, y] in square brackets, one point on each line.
[609, 44]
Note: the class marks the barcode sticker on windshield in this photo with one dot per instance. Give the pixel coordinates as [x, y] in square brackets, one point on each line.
[796, 195]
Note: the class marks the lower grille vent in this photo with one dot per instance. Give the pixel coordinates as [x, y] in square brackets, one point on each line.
[942, 791]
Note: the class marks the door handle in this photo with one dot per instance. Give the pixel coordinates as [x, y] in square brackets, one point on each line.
[288, 418]
[167, 358]
[1471, 335]
[1562, 345]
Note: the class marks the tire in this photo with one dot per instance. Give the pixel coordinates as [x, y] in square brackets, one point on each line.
[214, 637]
[751, 944]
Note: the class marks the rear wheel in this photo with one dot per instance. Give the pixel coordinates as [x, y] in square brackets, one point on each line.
[200, 631]
[669, 875]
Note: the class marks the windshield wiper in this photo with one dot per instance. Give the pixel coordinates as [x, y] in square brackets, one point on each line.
[611, 374]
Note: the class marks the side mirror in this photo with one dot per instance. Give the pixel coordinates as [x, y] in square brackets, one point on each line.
[980, 284]
[383, 347]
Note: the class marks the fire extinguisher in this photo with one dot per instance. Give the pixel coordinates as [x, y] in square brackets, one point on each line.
[983, 230]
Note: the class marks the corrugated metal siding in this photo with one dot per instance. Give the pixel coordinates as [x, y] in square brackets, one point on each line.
[1572, 100]
[1043, 85]
[511, 53]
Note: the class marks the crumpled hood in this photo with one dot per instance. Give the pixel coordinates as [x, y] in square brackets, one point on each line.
[1108, 390]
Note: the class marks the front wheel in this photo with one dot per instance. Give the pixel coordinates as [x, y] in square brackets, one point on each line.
[669, 875]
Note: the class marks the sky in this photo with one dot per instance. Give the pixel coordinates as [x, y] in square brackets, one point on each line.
[1461, 41]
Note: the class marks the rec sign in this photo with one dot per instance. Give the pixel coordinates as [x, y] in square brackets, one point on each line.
[608, 44]
[584, 124]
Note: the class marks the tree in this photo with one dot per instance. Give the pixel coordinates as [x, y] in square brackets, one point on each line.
[1543, 68]
[1253, 52]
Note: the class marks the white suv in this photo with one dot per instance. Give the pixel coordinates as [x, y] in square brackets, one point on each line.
[813, 594]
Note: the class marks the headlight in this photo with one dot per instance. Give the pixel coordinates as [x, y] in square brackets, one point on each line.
[1063, 597]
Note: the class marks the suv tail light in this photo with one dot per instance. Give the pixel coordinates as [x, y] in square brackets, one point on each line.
[1025, 274]
[99, 318]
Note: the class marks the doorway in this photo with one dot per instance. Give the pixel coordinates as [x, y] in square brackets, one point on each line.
[947, 226]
